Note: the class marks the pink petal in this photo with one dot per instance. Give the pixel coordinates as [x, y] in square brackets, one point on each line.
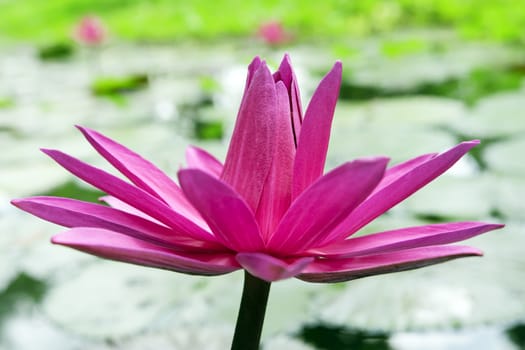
[141, 172]
[287, 76]
[131, 195]
[405, 238]
[120, 205]
[114, 246]
[73, 213]
[198, 158]
[277, 192]
[251, 148]
[272, 269]
[297, 110]
[227, 214]
[394, 173]
[252, 68]
[323, 205]
[341, 270]
[315, 132]
[397, 189]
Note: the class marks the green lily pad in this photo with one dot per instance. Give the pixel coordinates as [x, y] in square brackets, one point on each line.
[417, 111]
[507, 194]
[450, 198]
[516, 334]
[480, 338]
[284, 312]
[23, 288]
[117, 85]
[56, 51]
[6, 102]
[506, 157]
[102, 310]
[498, 115]
[25, 248]
[399, 142]
[44, 335]
[408, 73]
[72, 189]
[20, 180]
[337, 337]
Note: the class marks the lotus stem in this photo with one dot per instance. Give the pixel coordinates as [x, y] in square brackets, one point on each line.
[251, 313]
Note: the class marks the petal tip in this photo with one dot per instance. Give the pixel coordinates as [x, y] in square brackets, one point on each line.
[56, 239]
[373, 160]
[270, 268]
[50, 151]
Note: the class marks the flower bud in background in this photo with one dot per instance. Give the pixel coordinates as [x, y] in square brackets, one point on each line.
[273, 33]
[90, 31]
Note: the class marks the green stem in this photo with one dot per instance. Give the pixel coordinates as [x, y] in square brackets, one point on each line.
[251, 313]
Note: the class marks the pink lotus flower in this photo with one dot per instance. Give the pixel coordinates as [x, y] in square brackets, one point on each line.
[269, 209]
[273, 33]
[90, 31]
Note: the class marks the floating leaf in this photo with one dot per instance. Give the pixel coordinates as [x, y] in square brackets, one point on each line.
[117, 85]
[56, 51]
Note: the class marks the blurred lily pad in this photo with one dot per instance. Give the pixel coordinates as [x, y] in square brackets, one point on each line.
[415, 111]
[6, 102]
[328, 337]
[210, 306]
[497, 115]
[208, 129]
[508, 193]
[104, 312]
[22, 288]
[480, 338]
[116, 85]
[350, 141]
[453, 198]
[504, 157]
[25, 249]
[516, 334]
[72, 189]
[56, 51]
[469, 89]
[460, 70]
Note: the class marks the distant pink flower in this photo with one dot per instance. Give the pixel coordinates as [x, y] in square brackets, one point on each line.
[273, 33]
[90, 31]
[269, 209]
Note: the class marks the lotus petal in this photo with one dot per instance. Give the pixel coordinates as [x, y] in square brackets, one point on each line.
[323, 205]
[399, 188]
[131, 195]
[251, 149]
[227, 214]
[341, 270]
[315, 132]
[270, 268]
[198, 158]
[74, 213]
[141, 172]
[111, 245]
[277, 193]
[405, 238]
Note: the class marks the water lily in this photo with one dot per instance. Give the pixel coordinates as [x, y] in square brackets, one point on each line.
[269, 209]
[273, 33]
[90, 31]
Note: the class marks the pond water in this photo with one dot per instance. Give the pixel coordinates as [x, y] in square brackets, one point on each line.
[397, 104]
